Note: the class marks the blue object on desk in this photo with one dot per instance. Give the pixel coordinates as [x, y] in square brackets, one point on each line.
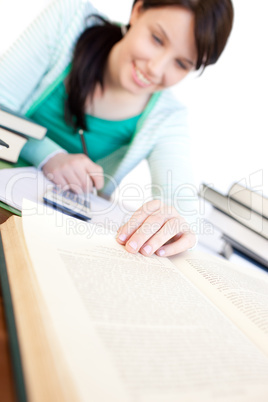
[68, 202]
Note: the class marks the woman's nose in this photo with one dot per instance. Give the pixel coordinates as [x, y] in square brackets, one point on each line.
[157, 66]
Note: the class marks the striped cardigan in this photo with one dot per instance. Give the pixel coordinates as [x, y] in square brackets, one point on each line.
[30, 68]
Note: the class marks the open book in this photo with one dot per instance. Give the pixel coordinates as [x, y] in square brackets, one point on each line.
[95, 323]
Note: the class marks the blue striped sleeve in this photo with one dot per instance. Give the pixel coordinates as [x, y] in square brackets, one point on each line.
[36, 151]
[36, 51]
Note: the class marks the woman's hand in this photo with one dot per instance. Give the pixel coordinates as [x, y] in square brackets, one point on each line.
[75, 171]
[156, 228]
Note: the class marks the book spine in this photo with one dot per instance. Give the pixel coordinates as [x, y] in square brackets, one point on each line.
[256, 258]
[239, 212]
[250, 199]
[250, 242]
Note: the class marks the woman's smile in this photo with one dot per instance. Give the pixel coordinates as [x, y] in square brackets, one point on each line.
[140, 78]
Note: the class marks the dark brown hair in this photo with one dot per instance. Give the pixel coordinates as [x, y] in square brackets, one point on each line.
[213, 24]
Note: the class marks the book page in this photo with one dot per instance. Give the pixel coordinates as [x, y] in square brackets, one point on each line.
[31, 183]
[134, 328]
[15, 142]
[241, 296]
[19, 183]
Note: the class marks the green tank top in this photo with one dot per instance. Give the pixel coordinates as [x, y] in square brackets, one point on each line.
[102, 138]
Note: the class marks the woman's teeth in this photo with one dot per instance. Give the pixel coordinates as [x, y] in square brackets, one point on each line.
[141, 77]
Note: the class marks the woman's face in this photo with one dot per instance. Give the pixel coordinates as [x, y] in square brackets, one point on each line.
[157, 52]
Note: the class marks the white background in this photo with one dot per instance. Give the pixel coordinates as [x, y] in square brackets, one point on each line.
[227, 104]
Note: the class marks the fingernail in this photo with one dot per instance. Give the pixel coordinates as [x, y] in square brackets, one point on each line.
[122, 237]
[133, 245]
[147, 249]
[161, 252]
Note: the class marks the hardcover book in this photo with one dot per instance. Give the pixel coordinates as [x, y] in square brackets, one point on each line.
[95, 323]
[15, 129]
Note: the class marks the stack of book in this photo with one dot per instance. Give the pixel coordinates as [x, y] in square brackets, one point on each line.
[242, 217]
[15, 130]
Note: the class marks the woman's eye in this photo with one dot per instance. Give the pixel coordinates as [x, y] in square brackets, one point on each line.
[181, 65]
[157, 39]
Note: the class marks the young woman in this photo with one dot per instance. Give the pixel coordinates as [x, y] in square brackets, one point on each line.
[101, 90]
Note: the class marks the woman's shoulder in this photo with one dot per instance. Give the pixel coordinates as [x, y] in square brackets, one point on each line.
[67, 13]
[164, 110]
[65, 20]
[68, 9]
[169, 98]
[168, 104]
[70, 5]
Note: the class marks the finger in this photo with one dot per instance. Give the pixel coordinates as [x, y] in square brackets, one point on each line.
[146, 231]
[82, 180]
[97, 177]
[79, 172]
[90, 186]
[86, 181]
[186, 241]
[74, 180]
[57, 178]
[172, 229]
[136, 220]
